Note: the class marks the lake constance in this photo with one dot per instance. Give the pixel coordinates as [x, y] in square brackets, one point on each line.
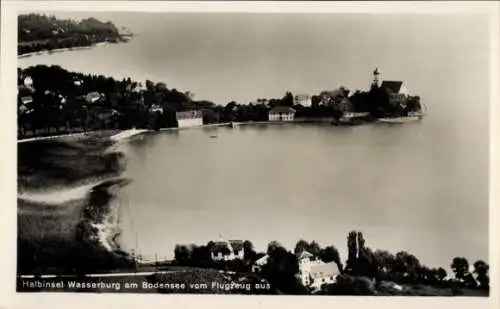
[420, 187]
[287, 182]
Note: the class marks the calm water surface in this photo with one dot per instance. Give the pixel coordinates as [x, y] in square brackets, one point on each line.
[402, 186]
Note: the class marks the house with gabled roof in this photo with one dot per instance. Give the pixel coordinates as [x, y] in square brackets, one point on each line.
[396, 91]
[302, 99]
[313, 272]
[323, 273]
[257, 266]
[227, 250]
[281, 113]
[395, 87]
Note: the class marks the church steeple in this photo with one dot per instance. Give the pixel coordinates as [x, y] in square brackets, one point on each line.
[376, 78]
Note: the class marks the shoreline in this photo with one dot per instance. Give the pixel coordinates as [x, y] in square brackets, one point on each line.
[128, 133]
[100, 222]
[60, 50]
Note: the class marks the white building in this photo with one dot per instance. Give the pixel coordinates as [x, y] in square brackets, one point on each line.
[189, 119]
[302, 99]
[257, 266]
[93, 97]
[28, 81]
[281, 113]
[227, 250]
[156, 108]
[313, 272]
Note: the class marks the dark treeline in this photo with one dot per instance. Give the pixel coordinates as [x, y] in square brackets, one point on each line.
[365, 271]
[58, 102]
[38, 32]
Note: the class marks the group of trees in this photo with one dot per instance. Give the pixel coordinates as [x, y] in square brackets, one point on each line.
[364, 267]
[38, 32]
[327, 254]
[59, 103]
[405, 267]
[131, 100]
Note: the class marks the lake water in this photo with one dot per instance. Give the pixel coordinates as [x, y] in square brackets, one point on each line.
[421, 187]
[397, 184]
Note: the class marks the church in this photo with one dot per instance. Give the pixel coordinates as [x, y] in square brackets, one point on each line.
[396, 90]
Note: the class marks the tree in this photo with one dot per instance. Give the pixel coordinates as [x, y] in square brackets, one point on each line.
[315, 100]
[413, 104]
[301, 246]
[345, 91]
[200, 256]
[209, 116]
[441, 274]
[182, 254]
[248, 246]
[481, 270]
[349, 285]
[385, 263]
[460, 267]
[250, 254]
[469, 281]
[314, 248]
[281, 269]
[272, 246]
[352, 251]
[406, 265]
[331, 254]
[43, 32]
[361, 242]
[287, 100]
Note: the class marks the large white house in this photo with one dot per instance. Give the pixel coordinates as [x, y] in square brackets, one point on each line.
[227, 250]
[189, 119]
[313, 272]
[281, 113]
[302, 99]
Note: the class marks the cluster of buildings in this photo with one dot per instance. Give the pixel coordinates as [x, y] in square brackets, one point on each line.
[87, 109]
[339, 98]
[313, 272]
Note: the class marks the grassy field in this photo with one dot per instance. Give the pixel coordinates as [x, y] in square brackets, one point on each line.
[56, 202]
[65, 161]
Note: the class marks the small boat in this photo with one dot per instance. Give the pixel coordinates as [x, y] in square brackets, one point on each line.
[213, 136]
[231, 125]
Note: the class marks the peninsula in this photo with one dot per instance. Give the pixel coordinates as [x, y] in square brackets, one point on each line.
[37, 33]
[70, 102]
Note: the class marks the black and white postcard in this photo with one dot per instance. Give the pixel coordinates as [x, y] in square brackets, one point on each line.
[270, 149]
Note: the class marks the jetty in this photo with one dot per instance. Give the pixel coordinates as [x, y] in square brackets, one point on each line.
[127, 134]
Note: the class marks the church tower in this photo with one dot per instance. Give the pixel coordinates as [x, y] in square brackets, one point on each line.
[376, 78]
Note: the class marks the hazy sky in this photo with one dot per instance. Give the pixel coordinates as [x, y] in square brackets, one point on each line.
[223, 57]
